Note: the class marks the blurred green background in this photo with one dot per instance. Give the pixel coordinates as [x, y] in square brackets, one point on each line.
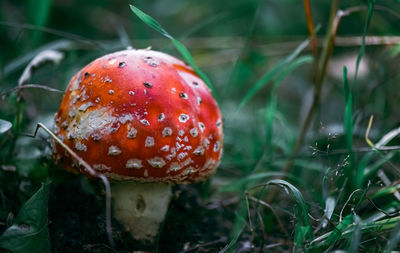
[236, 43]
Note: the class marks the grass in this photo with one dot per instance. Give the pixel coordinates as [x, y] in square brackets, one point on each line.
[286, 182]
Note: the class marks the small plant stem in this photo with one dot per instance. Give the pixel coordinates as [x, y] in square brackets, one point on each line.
[311, 30]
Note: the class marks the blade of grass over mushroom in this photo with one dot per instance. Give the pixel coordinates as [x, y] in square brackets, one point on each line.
[271, 74]
[29, 232]
[179, 46]
[362, 49]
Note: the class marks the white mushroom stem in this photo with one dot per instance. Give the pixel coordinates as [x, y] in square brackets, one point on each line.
[141, 207]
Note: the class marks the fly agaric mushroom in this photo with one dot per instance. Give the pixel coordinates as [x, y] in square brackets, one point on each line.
[144, 118]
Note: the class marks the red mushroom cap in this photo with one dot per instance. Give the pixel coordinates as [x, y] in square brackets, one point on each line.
[140, 115]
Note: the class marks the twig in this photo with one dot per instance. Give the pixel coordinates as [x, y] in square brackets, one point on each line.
[92, 172]
[345, 204]
[25, 86]
[248, 215]
[260, 218]
[390, 215]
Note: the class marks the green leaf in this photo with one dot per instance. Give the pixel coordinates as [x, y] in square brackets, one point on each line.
[238, 226]
[179, 46]
[4, 126]
[29, 232]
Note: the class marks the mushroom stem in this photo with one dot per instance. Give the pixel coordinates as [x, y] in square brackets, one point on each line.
[141, 207]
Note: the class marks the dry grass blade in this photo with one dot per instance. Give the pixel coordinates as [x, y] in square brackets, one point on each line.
[311, 30]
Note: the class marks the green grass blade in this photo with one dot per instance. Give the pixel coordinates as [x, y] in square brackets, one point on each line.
[303, 230]
[348, 126]
[150, 21]
[269, 119]
[291, 67]
[269, 76]
[394, 240]
[272, 102]
[355, 240]
[179, 46]
[238, 226]
[240, 185]
[346, 228]
[362, 49]
[335, 235]
[189, 59]
[39, 11]
[373, 169]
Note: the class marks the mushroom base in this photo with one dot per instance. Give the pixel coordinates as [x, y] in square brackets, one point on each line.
[141, 207]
